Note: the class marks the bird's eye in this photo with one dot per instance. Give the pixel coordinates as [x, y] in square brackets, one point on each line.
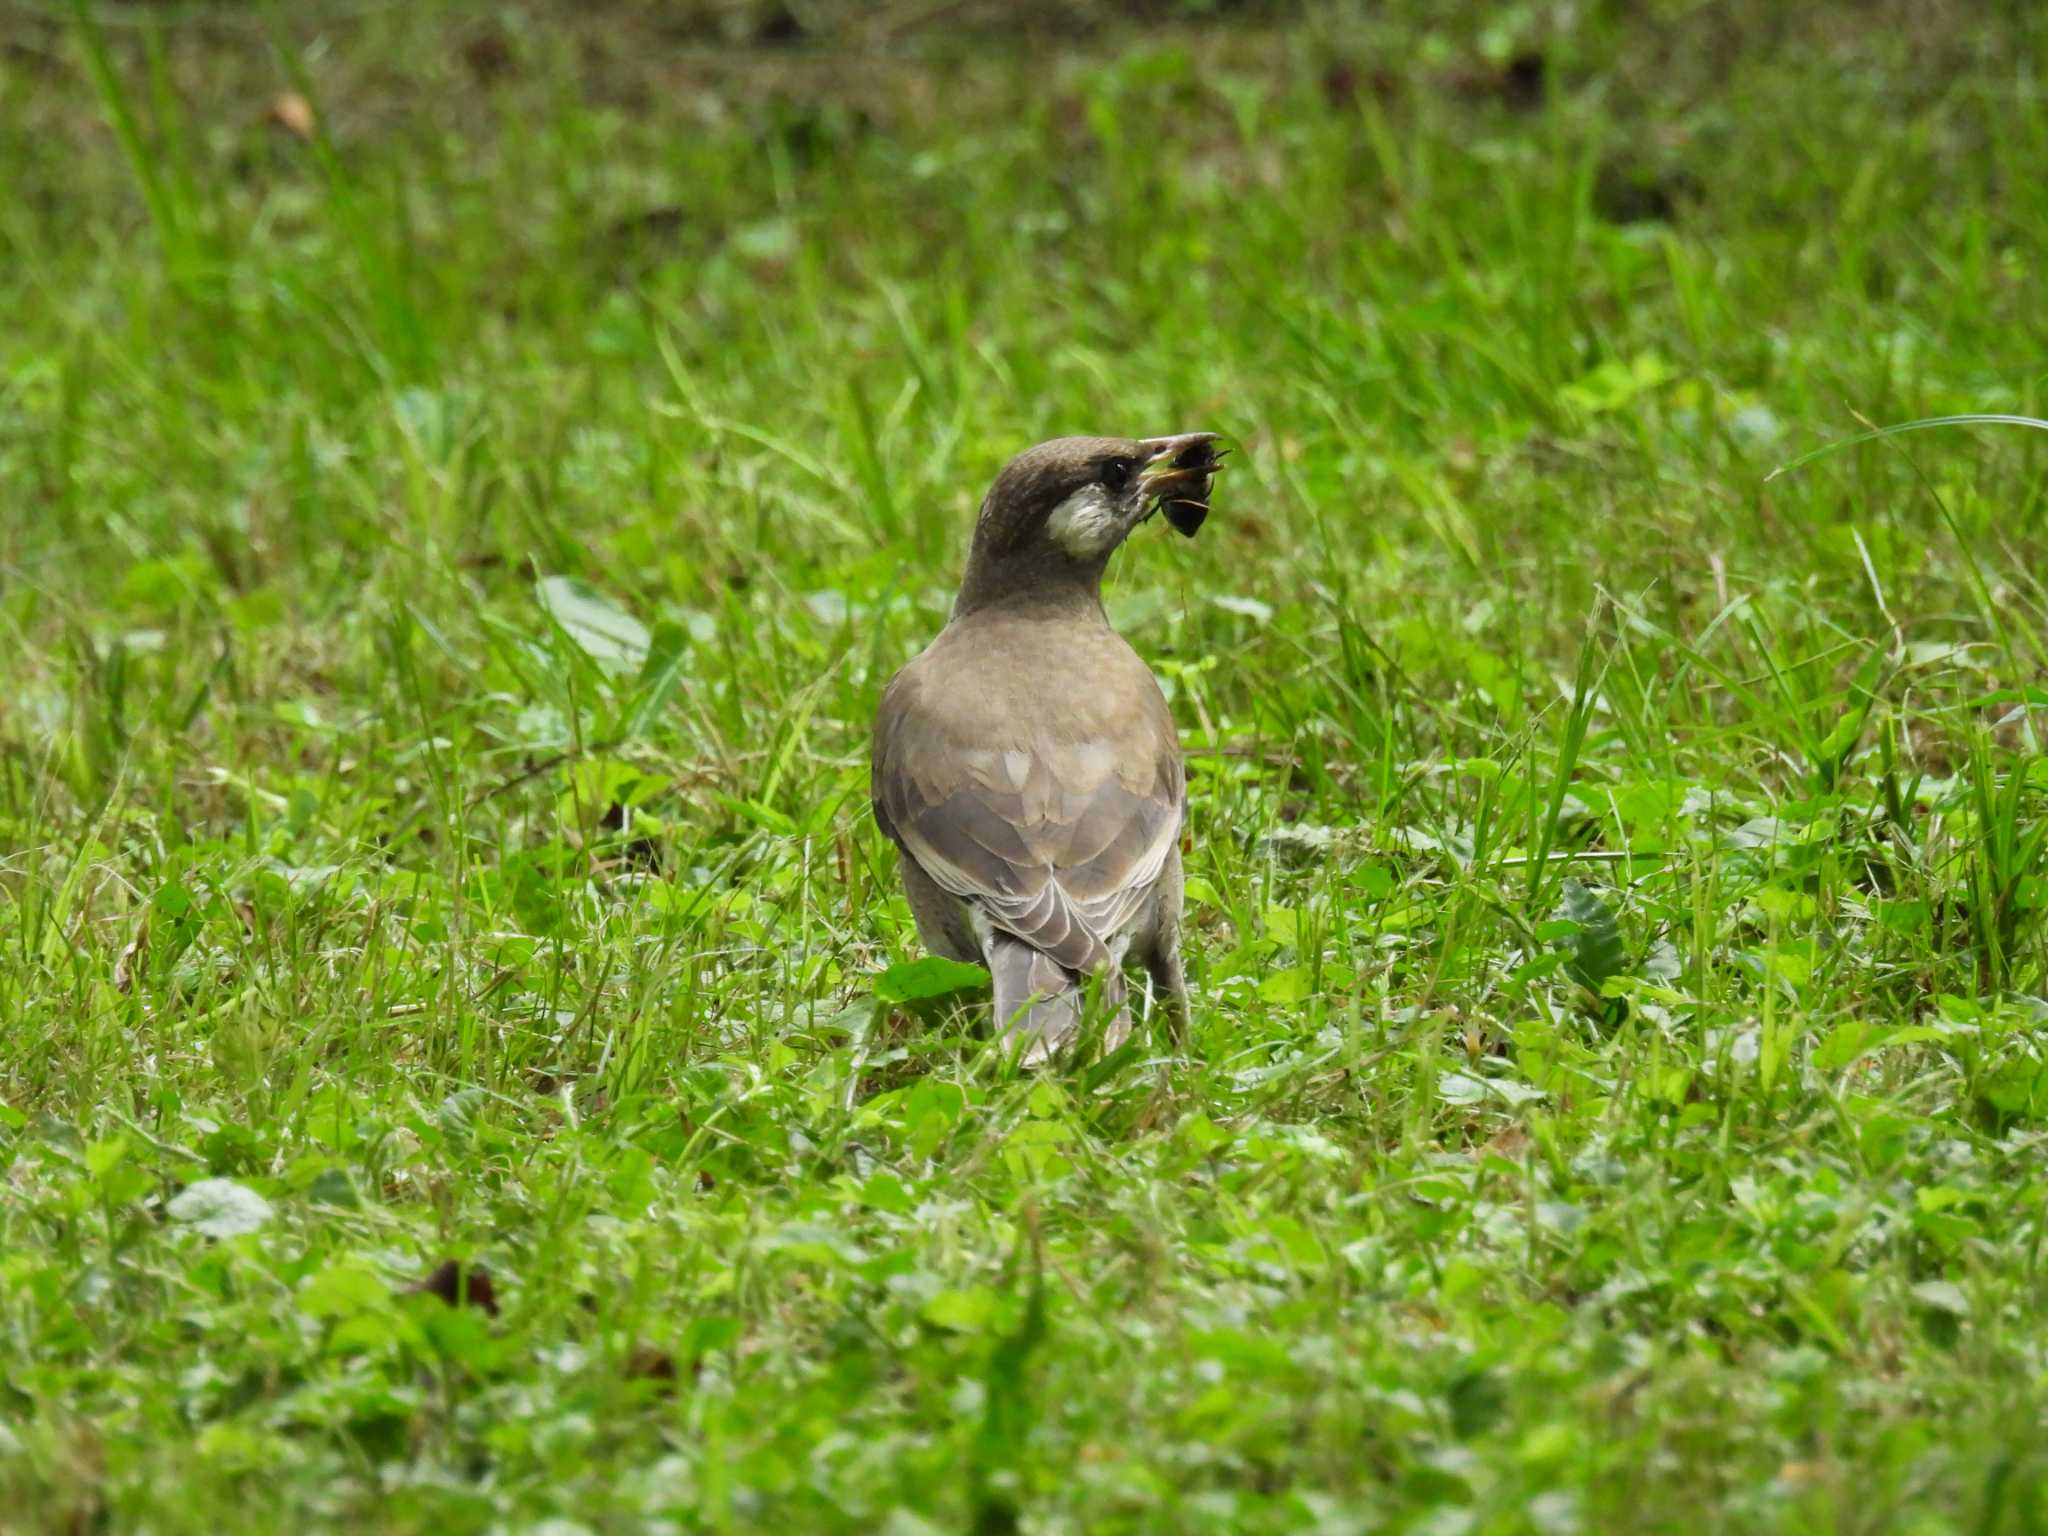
[1116, 474]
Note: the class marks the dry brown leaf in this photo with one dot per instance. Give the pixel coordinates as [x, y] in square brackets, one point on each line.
[460, 1285]
[293, 113]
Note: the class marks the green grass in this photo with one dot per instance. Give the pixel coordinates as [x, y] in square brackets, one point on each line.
[446, 573]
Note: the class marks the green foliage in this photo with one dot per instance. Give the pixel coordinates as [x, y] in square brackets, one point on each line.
[447, 567]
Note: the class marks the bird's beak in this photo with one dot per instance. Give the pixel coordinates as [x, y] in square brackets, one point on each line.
[1177, 473]
[1175, 462]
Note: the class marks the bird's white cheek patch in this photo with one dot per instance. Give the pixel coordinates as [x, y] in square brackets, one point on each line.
[1086, 523]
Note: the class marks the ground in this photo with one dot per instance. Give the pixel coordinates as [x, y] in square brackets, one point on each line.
[465, 476]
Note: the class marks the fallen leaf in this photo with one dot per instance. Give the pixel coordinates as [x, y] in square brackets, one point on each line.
[489, 57]
[646, 1363]
[460, 1284]
[293, 113]
[135, 954]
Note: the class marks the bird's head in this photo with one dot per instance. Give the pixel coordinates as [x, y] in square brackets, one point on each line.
[1058, 511]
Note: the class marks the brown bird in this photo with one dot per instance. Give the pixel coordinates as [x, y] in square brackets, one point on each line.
[1025, 763]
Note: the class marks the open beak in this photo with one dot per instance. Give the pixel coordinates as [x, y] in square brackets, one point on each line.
[1177, 474]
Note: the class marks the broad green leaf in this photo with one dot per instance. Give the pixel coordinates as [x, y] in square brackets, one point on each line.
[971, 1310]
[933, 977]
[1615, 383]
[220, 1208]
[709, 1332]
[1942, 1296]
[608, 635]
[1290, 985]
[1596, 948]
[1460, 1088]
[343, 1289]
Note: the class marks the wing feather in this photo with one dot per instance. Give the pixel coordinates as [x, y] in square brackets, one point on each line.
[1063, 864]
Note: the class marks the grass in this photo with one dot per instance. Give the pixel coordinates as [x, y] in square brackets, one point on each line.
[447, 567]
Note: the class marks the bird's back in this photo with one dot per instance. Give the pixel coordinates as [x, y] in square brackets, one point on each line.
[1035, 771]
[1005, 682]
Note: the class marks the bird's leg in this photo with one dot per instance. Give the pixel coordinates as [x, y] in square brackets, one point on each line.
[1108, 996]
[1170, 985]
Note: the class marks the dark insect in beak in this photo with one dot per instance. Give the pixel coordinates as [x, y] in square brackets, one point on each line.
[1184, 487]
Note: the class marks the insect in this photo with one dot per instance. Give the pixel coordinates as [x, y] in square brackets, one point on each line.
[1187, 505]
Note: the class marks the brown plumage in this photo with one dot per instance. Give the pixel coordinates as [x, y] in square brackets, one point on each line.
[1025, 763]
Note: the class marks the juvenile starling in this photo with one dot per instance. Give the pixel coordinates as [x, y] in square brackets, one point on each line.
[1025, 763]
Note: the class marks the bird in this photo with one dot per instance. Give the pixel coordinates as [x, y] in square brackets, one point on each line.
[1026, 765]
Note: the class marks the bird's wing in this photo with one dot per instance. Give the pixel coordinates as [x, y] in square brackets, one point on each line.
[1059, 843]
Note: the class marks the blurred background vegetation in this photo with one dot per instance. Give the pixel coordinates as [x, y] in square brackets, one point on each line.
[465, 474]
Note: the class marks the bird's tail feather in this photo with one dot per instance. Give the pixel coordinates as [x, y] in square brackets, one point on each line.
[1041, 1001]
